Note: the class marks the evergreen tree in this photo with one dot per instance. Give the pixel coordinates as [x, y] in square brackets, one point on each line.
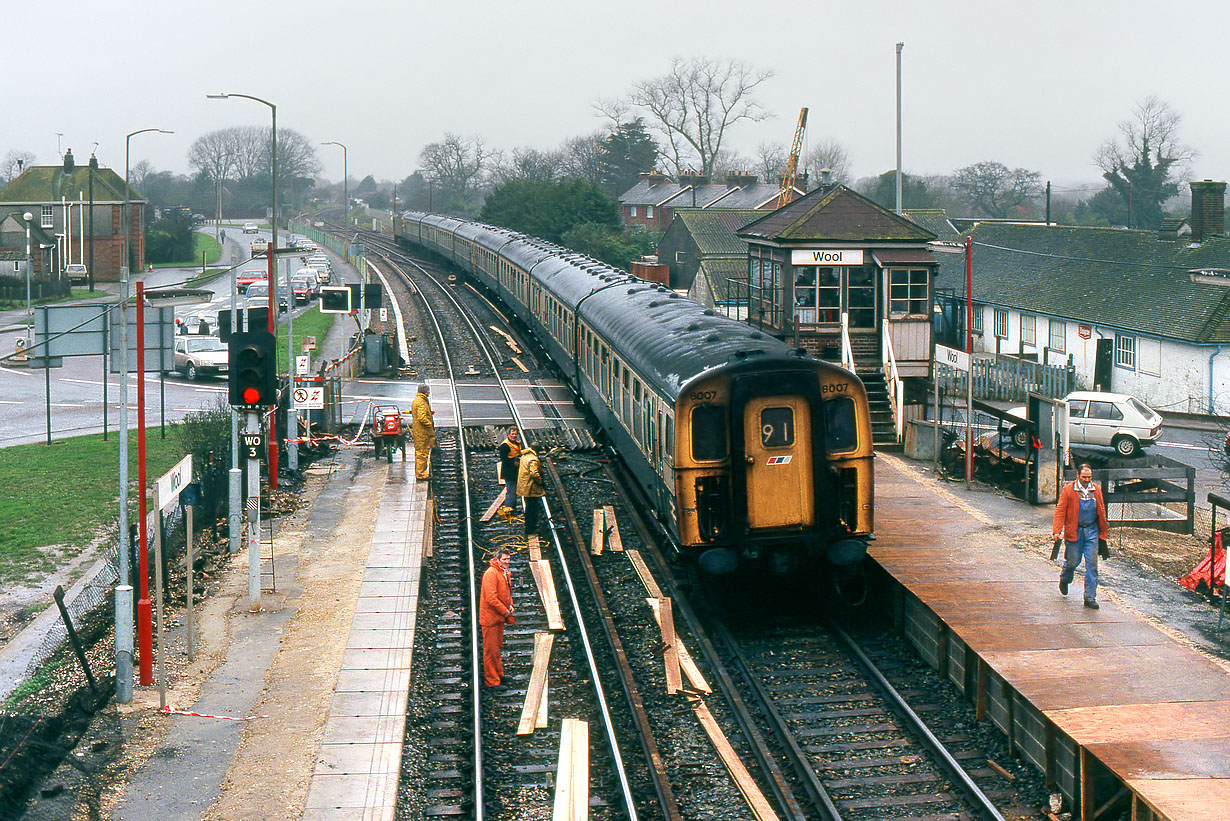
[627, 152]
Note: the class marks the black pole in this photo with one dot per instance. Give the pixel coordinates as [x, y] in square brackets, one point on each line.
[72, 637]
[93, 162]
[1048, 202]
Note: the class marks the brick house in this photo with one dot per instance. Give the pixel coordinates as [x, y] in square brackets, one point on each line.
[58, 199]
[653, 201]
[705, 258]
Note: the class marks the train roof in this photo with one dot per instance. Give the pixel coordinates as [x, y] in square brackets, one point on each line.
[669, 339]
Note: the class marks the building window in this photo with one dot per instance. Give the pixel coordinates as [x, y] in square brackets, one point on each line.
[1125, 351]
[907, 292]
[48, 220]
[1001, 323]
[1059, 335]
[1029, 329]
[632, 211]
[16, 266]
[678, 256]
[976, 325]
[649, 212]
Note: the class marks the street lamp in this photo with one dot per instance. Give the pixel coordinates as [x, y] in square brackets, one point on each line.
[123, 591]
[28, 217]
[345, 181]
[272, 254]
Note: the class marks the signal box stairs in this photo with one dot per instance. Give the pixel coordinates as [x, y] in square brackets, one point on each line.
[870, 369]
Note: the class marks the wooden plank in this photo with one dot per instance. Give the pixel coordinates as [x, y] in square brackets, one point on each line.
[538, 682]
[572, 772]
[642, 571]
[596, 535]
[429, 523]
[499, 500]
[546, 591]
[518, 363]
[756, 801]
[563, 773]
[535, 550]
[670, 655]
[541, 722]
[690, 669]
[612, 527]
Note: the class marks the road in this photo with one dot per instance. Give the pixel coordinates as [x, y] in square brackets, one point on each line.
[77, 390]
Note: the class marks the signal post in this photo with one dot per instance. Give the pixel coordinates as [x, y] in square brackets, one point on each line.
[253, 383]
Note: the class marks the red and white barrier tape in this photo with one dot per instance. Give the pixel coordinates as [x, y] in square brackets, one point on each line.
[171, 711]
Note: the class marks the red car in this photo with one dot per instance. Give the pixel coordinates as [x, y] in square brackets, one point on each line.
[249, 276]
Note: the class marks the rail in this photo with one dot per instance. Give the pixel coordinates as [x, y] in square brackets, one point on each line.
[595, 675]
[847, 352]
[896, 388]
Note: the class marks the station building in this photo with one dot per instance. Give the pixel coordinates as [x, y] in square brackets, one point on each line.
[58, 199]
[1139, 312]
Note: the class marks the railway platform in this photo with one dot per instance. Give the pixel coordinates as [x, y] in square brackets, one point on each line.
[1117, 709]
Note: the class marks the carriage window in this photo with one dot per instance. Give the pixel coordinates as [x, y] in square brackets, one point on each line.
[841, 430]
[709, 433]
[777, 427]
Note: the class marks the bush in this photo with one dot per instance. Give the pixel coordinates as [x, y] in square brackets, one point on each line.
[206, 434]
[170, 239]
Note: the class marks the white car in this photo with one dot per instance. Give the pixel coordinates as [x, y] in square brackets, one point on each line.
[1112, 419]
[77, 273]
[195, 355]
[249, 228]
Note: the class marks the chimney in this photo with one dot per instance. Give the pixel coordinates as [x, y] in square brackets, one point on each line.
[655, 177]
[740, 179]
[93, 162]
[69, 164]
[1208, 210]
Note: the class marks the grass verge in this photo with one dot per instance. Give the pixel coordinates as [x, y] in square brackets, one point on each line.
[202, 244]
[312, 323]
[58, 496]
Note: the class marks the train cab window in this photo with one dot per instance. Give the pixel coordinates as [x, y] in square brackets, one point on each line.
[841, 429]
[709, 433]
[777, 427]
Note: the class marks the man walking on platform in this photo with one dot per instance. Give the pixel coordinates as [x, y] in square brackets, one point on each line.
[510, 465]
[495, 609]
[423, 429]
[1080, 519]
[530, 488]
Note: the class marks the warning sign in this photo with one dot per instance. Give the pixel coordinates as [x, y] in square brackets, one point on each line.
[309, 398]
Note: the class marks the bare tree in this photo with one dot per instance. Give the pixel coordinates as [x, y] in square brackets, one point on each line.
[213, 154]
[1144, 163]
[138, 174]
[297, 157]
[529, 164]
[13, 164]
[994, 188]
[694, 104]
[771, 161]
[829, 154]
[580, 157]
[455, 164]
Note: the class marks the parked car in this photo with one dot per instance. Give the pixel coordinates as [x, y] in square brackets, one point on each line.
[248, 277]
[249, 228]
[196, 355]
[77, 274]
[258, 296]
[1095, 418]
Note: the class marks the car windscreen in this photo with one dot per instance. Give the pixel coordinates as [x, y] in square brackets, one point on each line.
[209, 343]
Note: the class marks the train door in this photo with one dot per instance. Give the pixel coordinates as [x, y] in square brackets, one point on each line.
[778, 447]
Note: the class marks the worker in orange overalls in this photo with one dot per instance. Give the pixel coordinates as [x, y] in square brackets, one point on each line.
[495, 609]
[423, 429]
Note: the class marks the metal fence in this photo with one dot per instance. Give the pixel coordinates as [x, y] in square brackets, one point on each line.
[1007, 379]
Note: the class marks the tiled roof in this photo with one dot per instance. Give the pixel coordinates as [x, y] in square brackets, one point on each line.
[714, 230]
[16, 222]
[647, 193]
[837, 214]
[706, 195]
[724, 274]
[48, 183]
[934, 220]
[1127, 280]
[751, 196]
[12, 254]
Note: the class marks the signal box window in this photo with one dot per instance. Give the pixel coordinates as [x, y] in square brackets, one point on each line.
[777, 427]
[907, 291]
[709, 433]
[840, 428]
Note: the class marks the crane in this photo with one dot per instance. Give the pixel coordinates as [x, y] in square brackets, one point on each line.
[792, 163]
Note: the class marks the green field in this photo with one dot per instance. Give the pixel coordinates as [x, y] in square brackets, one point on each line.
[55, 499]
[203, 244]
[312, 323]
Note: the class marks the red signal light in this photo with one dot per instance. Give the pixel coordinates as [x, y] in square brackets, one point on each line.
[251, 396]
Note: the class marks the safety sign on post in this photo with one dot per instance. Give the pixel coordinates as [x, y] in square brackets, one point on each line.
[384, 314]
[309, 397]
[303, 364]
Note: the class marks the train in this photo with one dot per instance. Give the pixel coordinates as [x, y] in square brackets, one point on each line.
[753, 455]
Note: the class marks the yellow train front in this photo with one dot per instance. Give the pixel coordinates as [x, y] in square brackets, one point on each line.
[773, 466]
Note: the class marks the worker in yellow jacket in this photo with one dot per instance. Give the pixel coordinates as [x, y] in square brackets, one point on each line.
[423, 429]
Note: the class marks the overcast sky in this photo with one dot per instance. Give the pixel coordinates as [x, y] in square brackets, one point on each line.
[1039, 84]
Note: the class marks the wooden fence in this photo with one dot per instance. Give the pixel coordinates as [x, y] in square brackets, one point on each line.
[1007, 379]
[13, 290]
[1160, 497]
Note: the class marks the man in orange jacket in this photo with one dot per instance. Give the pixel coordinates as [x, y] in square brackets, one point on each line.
[495, 609]
[1080, 518]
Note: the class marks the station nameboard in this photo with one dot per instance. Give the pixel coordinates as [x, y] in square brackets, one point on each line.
[826, 256]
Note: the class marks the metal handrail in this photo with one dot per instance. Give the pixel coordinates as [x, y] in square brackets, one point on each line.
[847, 352]
[896, 388]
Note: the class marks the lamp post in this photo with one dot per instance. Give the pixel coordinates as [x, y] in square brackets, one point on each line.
[272, 253]
[28, 217]
[221, 174]
[123, 591]
[345, 180]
